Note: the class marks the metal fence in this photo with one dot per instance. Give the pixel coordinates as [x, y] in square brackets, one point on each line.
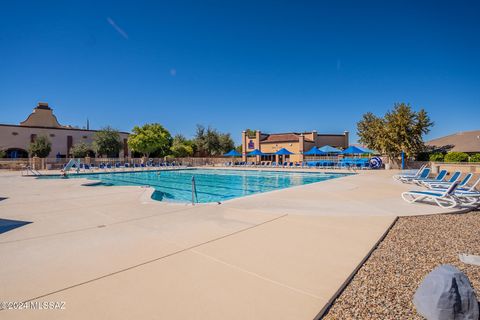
[59, 163]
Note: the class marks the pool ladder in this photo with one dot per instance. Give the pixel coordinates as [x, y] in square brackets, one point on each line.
[29, 169]
[194, 191]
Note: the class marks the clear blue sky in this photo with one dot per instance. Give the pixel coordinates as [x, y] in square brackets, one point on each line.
[275, 66]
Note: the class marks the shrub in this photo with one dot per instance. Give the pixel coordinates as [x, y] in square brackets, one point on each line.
[456, 157]
[106, 142]
[436, 157]
[3, 153]
[475, 157]
[40, 147]
[80, 150]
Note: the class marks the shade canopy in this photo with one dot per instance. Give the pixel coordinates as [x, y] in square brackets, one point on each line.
[232, 153]
[329, 149]
[353, 150]
[256, 152]
[283, 152]
[369, 150]
[314, 152]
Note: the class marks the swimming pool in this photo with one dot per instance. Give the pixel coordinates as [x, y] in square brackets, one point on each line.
[212, 185]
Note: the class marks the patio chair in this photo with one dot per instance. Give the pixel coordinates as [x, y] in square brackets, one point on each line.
[439, 178]
[423, 175]
[445, 199]
[410, 176]
[470, 198]
[454, 177]
[445, 185]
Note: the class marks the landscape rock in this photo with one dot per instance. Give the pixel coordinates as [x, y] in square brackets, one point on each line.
[445, 294]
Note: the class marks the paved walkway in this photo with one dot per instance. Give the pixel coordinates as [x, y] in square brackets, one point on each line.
[112, 252]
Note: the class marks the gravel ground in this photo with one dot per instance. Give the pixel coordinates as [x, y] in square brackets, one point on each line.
[384, 286]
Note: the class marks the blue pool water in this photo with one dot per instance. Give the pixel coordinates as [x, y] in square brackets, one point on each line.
[212, 185]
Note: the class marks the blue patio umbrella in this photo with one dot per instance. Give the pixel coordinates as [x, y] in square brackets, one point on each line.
[314, 152]
[329, 149]
[232, 153]
[283, 152]
[256, 152]
[369, 150]
[354, 150]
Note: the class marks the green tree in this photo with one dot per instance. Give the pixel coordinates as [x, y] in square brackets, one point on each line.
[456, 157]
[436, 157]
[40, 147]
[210, 142]
[475, 157]
[239, 148]
[371, 131]
[181, 147]
[226, 142]
[251, 133]
[106, 142]
[80, 150]
[3, 153]
[150, 139]
[206, 141]
[401, 129]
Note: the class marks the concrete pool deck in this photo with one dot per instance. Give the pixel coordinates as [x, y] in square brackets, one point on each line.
[113, 252]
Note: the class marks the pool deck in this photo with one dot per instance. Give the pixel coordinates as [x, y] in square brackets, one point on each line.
[112, 252]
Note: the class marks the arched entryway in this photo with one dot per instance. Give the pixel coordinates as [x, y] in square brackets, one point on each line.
[16, 153]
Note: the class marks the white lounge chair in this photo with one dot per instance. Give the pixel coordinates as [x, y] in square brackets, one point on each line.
[439, 178]
[461, 186]
[445, 185]
[411, 175]
[444, 199]
[470, 198]
[454, 177]
[423, 175]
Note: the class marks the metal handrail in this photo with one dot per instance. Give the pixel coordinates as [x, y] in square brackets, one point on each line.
[33, 171]
[194, 191]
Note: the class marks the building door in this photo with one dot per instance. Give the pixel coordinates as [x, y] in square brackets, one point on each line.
[69, 144]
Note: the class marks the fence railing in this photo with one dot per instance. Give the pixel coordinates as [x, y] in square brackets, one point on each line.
[59, 163]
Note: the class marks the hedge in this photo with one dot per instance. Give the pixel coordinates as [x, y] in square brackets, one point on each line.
[456, 157]
[475, 157]
[436, 157]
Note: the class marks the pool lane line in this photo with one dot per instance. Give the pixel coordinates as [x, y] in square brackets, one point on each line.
[153, 260]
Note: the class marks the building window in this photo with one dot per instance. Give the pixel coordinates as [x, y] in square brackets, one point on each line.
[84, 137]
[52, 135]
[14, 133]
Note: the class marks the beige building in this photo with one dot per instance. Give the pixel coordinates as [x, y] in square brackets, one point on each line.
[295, 142]
[466, 141]
[14, 139]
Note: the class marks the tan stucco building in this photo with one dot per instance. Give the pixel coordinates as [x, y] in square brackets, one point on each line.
[295, 142]
[14, 139]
